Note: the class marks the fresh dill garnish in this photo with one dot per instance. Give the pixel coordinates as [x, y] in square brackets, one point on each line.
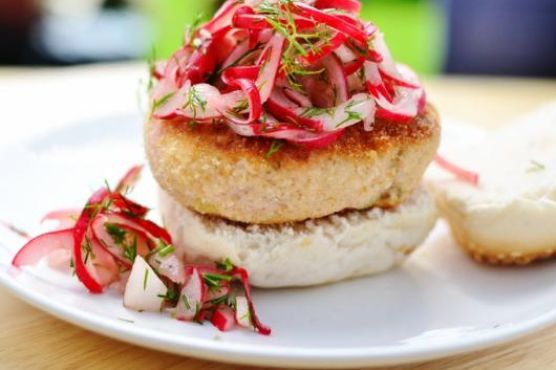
[172, 295]
[214, 280]
[274, 148]
[195, 101]
[130, 251]
[311, 112]
[145, 278]
[116, 233]
[350, 114]
[219, 300]
[163, 100]
[162, 249]
[226, 266]
[535, 166]
[185, 302]
[191, 30]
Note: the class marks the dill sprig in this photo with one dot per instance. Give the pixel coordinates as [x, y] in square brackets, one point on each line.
[195, 101]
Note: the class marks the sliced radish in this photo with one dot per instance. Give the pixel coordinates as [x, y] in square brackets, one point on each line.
[42, 245]
[191, 297]
[269, 62]
[129, 179]
[337, 77]
[297, 97]
[243, 276]
[352, 6]
[144, 290]
[223, 318]
[323, 49]
[213, 294]
[332, 21]
[459, 172]
[243, 314]
[170, 266]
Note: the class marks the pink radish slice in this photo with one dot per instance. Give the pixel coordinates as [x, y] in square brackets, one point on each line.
[328, 120]
[170, 266]
[352, 6]
[354, 66]
[345, 54]
[223, 318]
[243, 314]
[129, 179]
[143, 245]
[191, 298]
[217, 293]
[301, 137]
[254, 101]
[332, 21]
[60, 259]
[65, 217]
[126, 205]
[323, 49]
[42, 245]
[81, 240]
[460, 173]
[236, 54]
[243, 276]
[269, 62]
[388, 67]
[297, 97]
[223, 16]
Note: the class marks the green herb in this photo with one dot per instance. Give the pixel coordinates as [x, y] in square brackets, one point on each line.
[171, 295]
[213, 280]
[351, 115]
[88, 250]
[535, 166]
[219, 300]
[195, 101]
[169, 249]
[191, 30]
[226, 266]
[163, 100]
[130, 251]
[162, 249]
[126, 320]
[145, 278]
[311, 112]
[116, 233]
[185, 302]
[274, 148]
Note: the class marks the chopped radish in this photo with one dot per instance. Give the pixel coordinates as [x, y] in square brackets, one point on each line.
[460, 173]
[41, 246]
[223, 318]
[144, 290]
[243, 314]
[191, 297]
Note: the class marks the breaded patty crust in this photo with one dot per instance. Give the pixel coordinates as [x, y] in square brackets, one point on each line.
[211, 170]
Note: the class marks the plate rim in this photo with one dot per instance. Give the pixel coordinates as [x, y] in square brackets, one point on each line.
[250, 354]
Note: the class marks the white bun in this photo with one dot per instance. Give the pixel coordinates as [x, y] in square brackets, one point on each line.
[509, 218]
[328, 249]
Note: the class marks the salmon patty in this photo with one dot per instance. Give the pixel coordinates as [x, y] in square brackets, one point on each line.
[210, 169]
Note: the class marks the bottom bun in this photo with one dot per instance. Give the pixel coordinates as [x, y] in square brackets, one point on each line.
[333, 248]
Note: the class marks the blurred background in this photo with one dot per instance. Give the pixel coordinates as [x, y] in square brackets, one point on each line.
[510, 37]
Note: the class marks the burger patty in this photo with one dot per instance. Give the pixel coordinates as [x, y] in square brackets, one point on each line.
[212, 170]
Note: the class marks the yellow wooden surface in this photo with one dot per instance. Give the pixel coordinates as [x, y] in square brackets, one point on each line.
[31, 339]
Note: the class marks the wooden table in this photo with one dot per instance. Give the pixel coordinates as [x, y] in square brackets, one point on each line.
[32, 339]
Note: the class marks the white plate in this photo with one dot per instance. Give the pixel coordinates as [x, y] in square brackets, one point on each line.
[439, 303]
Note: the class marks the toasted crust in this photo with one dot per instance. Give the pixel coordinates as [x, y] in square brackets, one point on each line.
[214, 171]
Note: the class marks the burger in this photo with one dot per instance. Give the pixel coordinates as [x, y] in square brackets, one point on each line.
[284, 137]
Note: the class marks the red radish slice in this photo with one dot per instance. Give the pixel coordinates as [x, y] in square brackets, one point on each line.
[223, 318]
[352, 6]
[460, 173]
[152, 230]
[83, 267]
[170, 266]
[243, 314]
[354, 66]
[134, 242]
[245, 17]
[127, 206]
[297, 97]
[323, 49]
[102, 265]
[247, 72]
[175, 64]
[63, 216]
[345, 54]
[388, 67]
[269, 62]
[41, 246]
[223, 17]
[191, 298]
[332, 21]
[60, 259]
[129, 180]
[243, 276]
[253, 99]
[144, 291]
[303, 138]
[239, 51]
[286, 110]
